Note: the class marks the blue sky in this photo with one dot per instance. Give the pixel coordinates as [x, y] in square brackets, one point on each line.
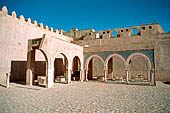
[97, 14]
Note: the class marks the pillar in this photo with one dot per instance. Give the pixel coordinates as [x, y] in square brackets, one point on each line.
[105, 75]
[153, 82]
[81, 75]
[50, 78]
[127, 75]
[69, 76]
[7, 80]
[30, 64]
[86, 75]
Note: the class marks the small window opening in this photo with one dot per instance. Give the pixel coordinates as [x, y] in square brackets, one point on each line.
[134, 31]
[107, 31]
[97, 35]
[89, 33]
[143, 28]
[150, 27]
[121, 30]
[114, 33]
[103, 32]
[127, 30]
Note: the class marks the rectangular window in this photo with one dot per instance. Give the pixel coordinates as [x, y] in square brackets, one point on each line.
[150, 27]
[143, 28]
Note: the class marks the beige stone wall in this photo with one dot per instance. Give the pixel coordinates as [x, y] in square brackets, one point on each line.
[14, 36]
[118, 67]
[98, 67]
[162, 60]
[150, 38]
[139, 66]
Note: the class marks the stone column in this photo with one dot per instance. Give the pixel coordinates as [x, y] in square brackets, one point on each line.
[30, 64]
[50, 78]
[153, 82]
[105, 75]
[7, 80]
[86, 75]
[81, 75]
[127, 75]
[69, 76]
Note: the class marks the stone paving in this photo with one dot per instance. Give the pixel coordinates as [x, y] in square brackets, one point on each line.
[86, 97]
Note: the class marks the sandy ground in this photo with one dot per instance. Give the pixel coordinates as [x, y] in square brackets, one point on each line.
[85, 97]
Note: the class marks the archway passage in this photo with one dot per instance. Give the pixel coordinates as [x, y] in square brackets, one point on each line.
[76, 68]
[95, 69]
[116, 69]
[40, 67]
[60, 68]
[37, 64]
[139, 68]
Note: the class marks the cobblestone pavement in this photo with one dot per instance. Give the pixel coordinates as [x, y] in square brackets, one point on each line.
[86, 97]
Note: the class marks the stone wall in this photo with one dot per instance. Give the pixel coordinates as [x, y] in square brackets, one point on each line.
[150, 36]
[14, 35]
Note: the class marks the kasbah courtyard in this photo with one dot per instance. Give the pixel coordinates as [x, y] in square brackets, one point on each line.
[47, 70]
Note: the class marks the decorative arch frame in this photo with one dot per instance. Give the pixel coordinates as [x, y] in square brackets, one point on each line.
[81, 60]
[89, 58]
[62, 53]
[112, 55]
[141, 54]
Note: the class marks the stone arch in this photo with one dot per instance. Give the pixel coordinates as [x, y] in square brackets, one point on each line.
[46, 58]
[97, 63]
[112, 55]
[31, 66]
[62, 53]
[76, 68]
[89, 58]
[139, 71]
[60, 64]
[115, 66]
[81, 60]
[141, 54]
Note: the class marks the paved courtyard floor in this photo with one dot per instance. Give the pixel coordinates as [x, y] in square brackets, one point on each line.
[85, 97]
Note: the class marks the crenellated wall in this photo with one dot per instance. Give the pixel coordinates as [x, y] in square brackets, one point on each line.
[16, 31]
[91, 34]
[14, 35]
[136, 38]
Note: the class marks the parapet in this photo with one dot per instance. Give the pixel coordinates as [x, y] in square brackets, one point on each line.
[4, 12]
[142, 30]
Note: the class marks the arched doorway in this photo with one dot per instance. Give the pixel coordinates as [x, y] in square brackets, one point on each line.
[40, 67]
[95, 67]
[139, 67]
[116, 68]
[37, 65]
[60, 68]
[76, 68]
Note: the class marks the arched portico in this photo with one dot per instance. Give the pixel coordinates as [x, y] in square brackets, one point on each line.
[30, 73]
[87, 66]
[76, 69]
[139, 68]
[53, 46]
[115, 67]
[60, 64]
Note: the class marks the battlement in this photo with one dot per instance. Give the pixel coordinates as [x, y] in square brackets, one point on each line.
[4, 13]
[91, 34]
